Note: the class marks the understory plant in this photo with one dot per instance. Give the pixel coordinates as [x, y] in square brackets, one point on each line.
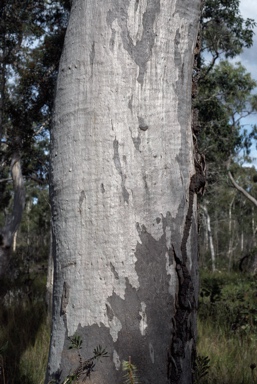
[227, 327]
[130, 372]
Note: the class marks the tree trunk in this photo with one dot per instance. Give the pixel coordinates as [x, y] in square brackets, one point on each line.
[242, 190]
[123, 191]
[253, 229]
[14, 219]
[49, 281]
[230, 235]
[210, 240]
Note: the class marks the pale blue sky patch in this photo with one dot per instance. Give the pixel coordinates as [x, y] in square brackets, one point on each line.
[248, 59]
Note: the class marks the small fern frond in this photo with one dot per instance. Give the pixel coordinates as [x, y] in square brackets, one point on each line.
[99, 352]
[202, 368]
[130, 376]
[76, 342]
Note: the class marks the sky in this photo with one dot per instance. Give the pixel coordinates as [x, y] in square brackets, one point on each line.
[248, 58]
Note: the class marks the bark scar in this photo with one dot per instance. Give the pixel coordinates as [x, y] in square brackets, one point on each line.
[117, 163]
[65, 298]
[82, 197]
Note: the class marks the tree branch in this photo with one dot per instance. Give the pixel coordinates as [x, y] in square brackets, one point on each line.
[242, 190]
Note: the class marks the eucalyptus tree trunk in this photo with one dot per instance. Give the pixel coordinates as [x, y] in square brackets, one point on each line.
[123, 191]
[210, 240]
[230, 235]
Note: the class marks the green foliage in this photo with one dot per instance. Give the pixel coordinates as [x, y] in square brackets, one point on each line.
[227, 327]
[130, 375]
[230, 301]
[99, 352]
[224, 98]
[24, 334]
[224, 29]
[201, 369]
[76, 342]
[232, 218]
[31, 39]
[224, 90]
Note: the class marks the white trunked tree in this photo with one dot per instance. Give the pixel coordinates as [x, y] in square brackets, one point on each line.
[123, 192]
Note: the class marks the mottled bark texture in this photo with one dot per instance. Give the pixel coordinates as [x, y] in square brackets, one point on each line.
[123, 190]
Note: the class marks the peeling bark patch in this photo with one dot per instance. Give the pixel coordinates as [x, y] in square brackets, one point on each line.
[114, 271]
[65, 298]
[82, 197]
[116, 360]
[142, 125]
[143, 319]
[109, 312]
[116, 159]
[114, 322]
[142, 50]
[146, 311]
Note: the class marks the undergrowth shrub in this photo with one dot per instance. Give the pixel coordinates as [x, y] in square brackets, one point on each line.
[227, 327]
[23, 326]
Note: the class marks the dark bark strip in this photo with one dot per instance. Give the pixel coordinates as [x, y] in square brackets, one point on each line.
[183, 332]
[183, 325]
[186, 305]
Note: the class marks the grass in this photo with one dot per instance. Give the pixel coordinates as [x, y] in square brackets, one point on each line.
[230, 357]
[24, 332]
[227, 328]
[34, 360]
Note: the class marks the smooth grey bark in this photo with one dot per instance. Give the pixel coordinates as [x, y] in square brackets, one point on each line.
[230, 235]
[254, 229]
[123, 190]
[49, 281]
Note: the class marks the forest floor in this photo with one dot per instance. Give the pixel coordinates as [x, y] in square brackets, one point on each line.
[227, 329]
